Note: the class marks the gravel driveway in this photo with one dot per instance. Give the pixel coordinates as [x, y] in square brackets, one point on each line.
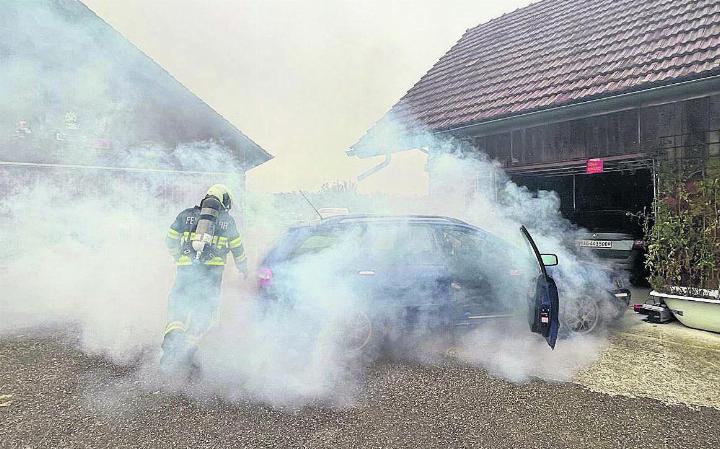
[63, 398]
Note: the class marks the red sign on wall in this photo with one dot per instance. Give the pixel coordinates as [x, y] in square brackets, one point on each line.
[594, 166]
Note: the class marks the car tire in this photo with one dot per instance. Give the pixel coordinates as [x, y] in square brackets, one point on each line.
[363, 332]
[582, 316]
[354, 333]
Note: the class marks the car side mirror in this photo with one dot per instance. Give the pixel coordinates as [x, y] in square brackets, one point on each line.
[549, 260]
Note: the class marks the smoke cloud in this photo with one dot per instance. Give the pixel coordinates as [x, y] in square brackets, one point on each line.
[86, 248]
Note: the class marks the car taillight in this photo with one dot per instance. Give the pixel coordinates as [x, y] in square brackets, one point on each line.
[265, 276]
[639, 244]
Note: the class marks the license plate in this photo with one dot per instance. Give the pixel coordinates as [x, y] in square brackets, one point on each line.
[596, 243]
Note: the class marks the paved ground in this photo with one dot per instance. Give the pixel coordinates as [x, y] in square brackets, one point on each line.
[668, 362]
[63, 398]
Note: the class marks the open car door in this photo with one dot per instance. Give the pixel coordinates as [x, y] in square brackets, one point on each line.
[544, 304]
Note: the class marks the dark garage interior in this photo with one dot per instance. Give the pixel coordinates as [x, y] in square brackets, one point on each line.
[610, 192]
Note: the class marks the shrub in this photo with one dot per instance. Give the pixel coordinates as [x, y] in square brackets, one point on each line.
[684, 242]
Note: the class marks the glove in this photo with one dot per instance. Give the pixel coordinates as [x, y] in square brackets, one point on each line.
[242, 268]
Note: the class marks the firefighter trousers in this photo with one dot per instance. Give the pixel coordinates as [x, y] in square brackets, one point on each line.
[193, 303]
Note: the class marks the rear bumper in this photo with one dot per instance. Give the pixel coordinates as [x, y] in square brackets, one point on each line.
[619, 257]
[623, 295]
[631, 262]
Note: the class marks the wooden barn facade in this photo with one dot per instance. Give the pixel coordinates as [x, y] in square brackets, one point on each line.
[586, 98]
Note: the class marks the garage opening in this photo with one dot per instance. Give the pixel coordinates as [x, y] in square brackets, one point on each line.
[606, 204]
[626, 191]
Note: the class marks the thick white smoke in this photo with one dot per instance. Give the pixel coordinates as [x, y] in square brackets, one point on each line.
[82, 235]
[97, 262]
[85, 247]
[87, 255]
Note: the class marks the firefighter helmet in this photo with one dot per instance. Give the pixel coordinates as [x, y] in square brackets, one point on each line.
[221, 192]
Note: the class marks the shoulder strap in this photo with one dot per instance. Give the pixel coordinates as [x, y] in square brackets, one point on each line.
[191, 225]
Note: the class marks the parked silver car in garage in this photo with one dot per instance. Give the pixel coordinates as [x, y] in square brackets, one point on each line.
[614, 237]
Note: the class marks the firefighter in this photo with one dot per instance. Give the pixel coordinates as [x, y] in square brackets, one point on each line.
[199, 240]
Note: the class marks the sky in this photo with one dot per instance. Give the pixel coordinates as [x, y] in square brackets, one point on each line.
[304, 79]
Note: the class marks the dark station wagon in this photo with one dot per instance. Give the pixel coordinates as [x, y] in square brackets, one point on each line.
[405, 273]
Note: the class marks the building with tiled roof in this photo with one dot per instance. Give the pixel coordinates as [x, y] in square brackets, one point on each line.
[561, 60]
[595, 100]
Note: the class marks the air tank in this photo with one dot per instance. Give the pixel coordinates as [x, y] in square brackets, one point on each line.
[210, 209]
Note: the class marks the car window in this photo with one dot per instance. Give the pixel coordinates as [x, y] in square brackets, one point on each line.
[391, 241]
[472, 254]
[344, 239]
[529, 260]
[316, 243]
[459, 242]
[464, 251]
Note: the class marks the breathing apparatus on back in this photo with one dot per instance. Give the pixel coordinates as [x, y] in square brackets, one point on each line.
[216, 200]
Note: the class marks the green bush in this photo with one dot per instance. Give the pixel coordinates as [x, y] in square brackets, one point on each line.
[684, 242]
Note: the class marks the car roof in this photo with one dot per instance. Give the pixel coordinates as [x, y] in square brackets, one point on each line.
[374, 218]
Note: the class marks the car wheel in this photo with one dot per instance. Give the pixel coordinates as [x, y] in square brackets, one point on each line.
[354, 331]
[581, 316]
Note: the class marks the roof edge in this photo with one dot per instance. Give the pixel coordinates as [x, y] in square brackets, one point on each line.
[263, 155]
[653, 96]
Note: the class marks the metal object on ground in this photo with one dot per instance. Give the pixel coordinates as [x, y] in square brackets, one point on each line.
[658, 313]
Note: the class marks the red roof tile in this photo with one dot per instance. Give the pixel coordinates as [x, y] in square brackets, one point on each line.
[557, 52]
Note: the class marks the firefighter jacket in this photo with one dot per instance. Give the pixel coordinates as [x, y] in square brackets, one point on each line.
[226, 239]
